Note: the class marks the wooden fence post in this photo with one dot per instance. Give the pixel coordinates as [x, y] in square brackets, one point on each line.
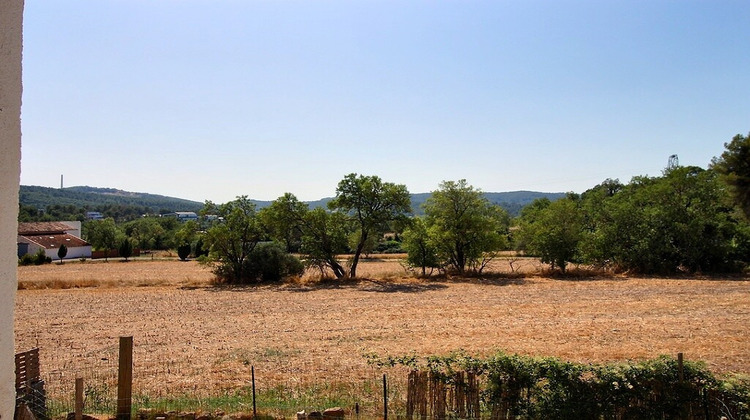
[385, 398]
[125, 379]
[79, 398]
[680, 367]
[255, 411]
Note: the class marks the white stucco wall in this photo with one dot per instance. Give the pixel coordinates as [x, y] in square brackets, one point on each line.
[75, 227]
[11, 18]
[74, 253]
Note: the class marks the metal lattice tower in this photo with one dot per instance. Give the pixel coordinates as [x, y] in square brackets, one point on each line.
[674, 162]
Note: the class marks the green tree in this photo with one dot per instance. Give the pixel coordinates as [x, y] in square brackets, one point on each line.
[324, 238]
[149, 232]
[322, 235]
[185, 237]
[681, 221]
[371, 204]
[465, 227]
[552, 230]
[183, 251]
[421, 252]
[734, 166]
[101, 234]
[269, 262]
[126, 248]
[233, 238]
[283, 220]
[62, 252]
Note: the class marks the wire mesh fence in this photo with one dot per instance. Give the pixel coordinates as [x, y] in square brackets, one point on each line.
[165, 383]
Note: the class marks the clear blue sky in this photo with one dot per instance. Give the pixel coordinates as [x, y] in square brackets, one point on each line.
[211, 99]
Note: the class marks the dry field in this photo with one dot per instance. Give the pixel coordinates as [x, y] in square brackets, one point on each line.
[190, 335]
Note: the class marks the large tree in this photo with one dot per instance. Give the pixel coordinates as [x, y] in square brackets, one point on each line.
[734, 166]
[552, 230]
[232, 238]
[420, 250]
[320, 236]
[680, 221]
[372, 204]
[465, 227]
[102, 234]
[284, 221]
[324, 238]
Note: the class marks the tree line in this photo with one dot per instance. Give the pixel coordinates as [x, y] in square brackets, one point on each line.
[689, 219]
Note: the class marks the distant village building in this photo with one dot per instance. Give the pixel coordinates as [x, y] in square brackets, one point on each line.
[94, 215]
[49, 236]
[183, 216]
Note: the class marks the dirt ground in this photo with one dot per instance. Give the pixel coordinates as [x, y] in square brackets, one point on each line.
[191, 335]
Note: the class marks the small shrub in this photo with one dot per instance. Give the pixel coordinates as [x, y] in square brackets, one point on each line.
[183, 251]
[199, 249]
[36, 259]
[26, 259]
[269, 262]
[389, 247]
[62, 252]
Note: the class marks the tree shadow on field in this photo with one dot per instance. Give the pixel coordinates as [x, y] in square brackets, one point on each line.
[360, 284]
[490, 280]
[379, 286]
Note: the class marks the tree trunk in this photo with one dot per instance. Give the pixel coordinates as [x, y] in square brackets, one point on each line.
[357, 253]
[338, 270]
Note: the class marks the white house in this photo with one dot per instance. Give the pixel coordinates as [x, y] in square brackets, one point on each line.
[183, 216]
[49, 236]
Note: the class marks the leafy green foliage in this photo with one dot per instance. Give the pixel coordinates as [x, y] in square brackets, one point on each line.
[322, 236]
[269, 262]
[538, 388]
[101, 234]
[186, 236]
[125, 250]
[283, 219]
[421, 252]
[62, 252]
[680, 221]
[552, 231]
[465, 228]
[152, 232]
[371, 204]
[35, 259]
[232, 239]
[183, 251]
[734, 166]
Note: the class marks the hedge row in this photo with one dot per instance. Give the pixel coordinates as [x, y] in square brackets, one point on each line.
[525, 387]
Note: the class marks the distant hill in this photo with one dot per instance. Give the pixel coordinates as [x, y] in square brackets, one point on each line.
[93, 198]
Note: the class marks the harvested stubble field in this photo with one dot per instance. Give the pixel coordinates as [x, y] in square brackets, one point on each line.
[190, 335]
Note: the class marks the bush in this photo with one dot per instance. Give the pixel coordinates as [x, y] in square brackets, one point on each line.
[540, 388]
[126, 249]
[389, 247]
[183, 251]
[36, 259]
[199, 249]
[268, 262]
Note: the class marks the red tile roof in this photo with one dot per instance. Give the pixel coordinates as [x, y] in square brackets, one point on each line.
[42, 228]
[55, 240]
